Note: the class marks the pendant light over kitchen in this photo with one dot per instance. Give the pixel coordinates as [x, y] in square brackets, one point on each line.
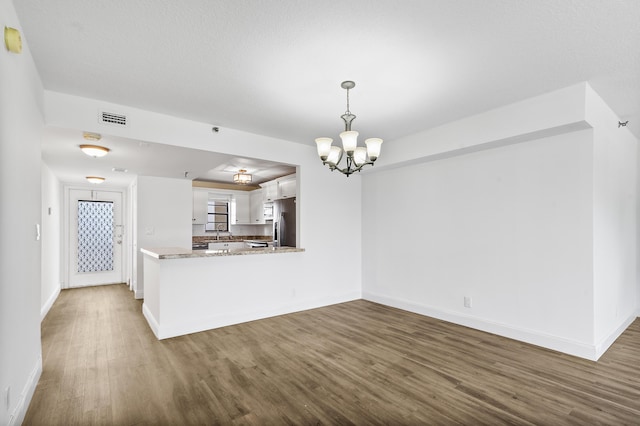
[357, 156]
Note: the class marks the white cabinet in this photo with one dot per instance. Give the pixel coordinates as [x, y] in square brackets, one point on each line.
[240, 208]
[256, 202]
[200, 200]
[270, 190]
[284, 187]
[227, 245]
[287, 187]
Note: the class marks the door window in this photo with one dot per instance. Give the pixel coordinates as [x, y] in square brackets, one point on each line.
[95, 236]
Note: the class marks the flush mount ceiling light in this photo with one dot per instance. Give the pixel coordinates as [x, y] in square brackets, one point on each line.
[95, 179]
[357, 156]
[242, 177]
[94, 150]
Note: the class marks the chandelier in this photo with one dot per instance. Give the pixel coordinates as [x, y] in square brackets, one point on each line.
[357, 156]
[242, 177]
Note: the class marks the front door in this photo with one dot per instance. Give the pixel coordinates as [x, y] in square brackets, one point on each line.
[95, 237]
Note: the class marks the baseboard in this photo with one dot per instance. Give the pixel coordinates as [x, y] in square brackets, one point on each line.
[605, 343]
[533, 337]
[138, 294]
[49, 303]
[153, 323]
[18, 414]
[166, 331]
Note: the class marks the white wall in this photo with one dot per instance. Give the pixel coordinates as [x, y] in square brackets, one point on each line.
[329, 203]
[509, 227]
[163, 217]
[21, 124]
[512, 223]
[638, 233]
[546, 115]
[614, 223]
[51, 240]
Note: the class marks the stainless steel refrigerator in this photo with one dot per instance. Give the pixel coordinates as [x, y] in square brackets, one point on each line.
[284, 223]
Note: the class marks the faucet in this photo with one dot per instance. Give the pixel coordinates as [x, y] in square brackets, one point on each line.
[218, 230]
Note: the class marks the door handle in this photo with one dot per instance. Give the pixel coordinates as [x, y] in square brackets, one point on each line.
[119, 232]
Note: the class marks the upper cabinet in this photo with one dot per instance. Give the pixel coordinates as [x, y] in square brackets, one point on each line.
[270, 190]
[200, 200]
[244, 207]
[284, 187]
[287, 187]
[240, 208]
[256, 202]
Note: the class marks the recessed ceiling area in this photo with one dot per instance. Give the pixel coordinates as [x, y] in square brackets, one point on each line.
[128, 158]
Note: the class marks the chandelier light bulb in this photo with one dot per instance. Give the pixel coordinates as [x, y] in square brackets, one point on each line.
[335, 155]
[349, 141]
[373, 148]
[324, 146]
[360, 156]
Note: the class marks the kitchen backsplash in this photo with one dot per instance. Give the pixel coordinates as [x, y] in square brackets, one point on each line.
[210, 238]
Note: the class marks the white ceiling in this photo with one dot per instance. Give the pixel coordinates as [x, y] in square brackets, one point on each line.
[61, 152]
[274, 67]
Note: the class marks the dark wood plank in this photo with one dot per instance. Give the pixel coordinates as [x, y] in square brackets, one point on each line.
[352, 363]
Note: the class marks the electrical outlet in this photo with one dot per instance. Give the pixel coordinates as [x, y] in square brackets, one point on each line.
[467, 301]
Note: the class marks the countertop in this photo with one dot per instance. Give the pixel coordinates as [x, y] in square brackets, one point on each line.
[230, 239]
[182, 253]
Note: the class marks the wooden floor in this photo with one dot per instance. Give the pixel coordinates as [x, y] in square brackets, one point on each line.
[353, 363]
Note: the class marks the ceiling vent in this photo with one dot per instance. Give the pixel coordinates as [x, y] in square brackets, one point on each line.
[112, 118]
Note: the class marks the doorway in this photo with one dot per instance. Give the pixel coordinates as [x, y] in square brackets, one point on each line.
[95, 238]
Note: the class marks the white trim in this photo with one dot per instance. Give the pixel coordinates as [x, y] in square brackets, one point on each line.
[138, 294]
[153, 323]
[556, 343]
[605, 343]
[66, 230]
[217, 321]
[49, 303]
[18, 414]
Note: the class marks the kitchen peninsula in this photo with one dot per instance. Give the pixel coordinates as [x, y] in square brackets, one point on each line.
[187, 291]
